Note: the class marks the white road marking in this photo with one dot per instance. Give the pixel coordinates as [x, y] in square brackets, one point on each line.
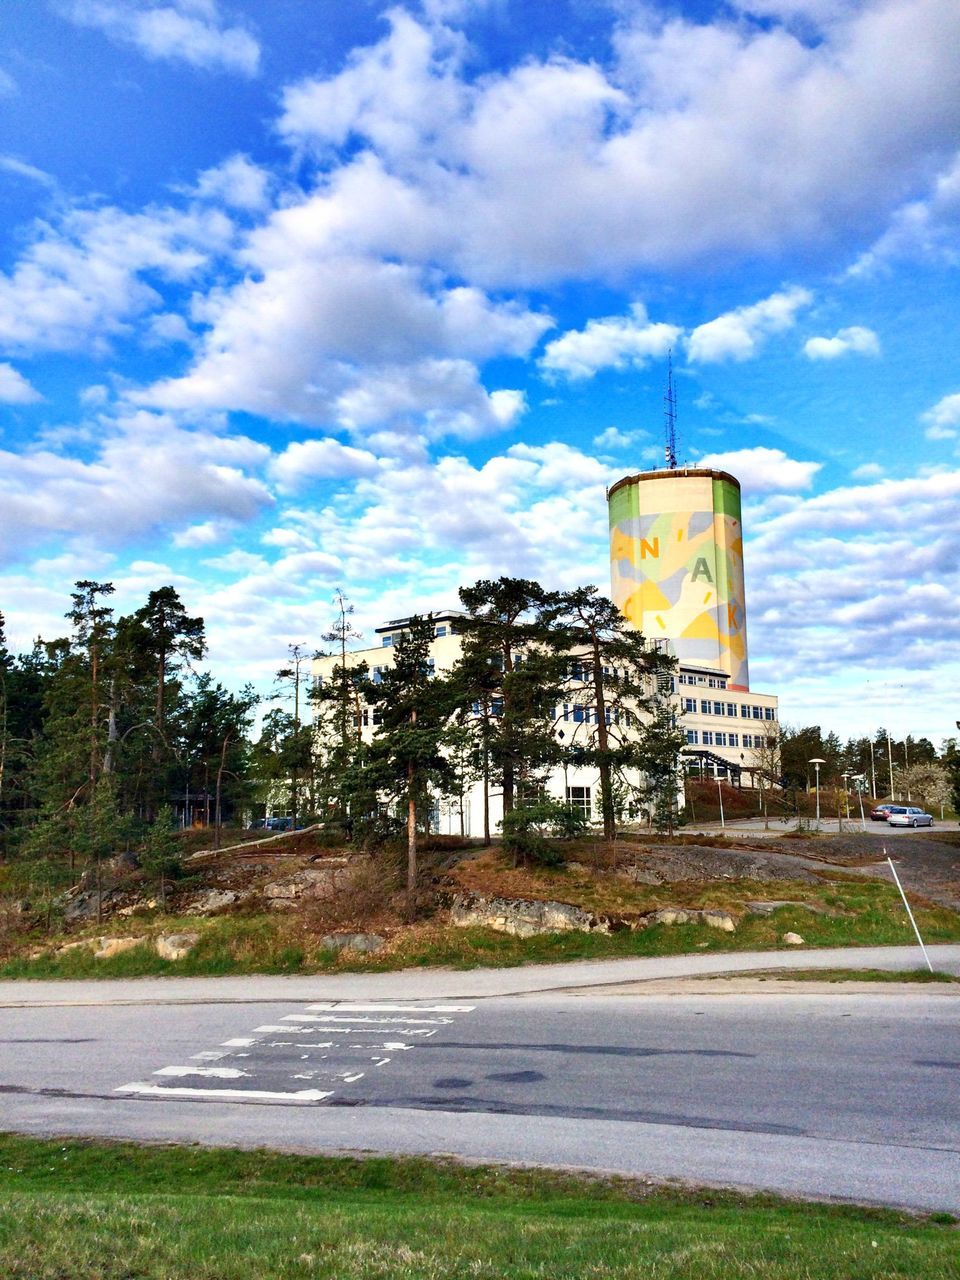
[239, 1042]
[208, 1055]
[330, 1019]
[234, 1095]
[341, 1007]
[292, 1031]
[220, 1073]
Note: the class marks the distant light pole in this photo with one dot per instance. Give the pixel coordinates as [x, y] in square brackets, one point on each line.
[817, 762]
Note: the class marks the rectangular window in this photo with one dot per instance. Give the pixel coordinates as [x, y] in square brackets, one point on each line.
[496, 706]
[378, 717]
[707, 738]
[768, 713]
[705, 707]
[745, 712]
[718, 708]
[689, 704]
[440, 631]
[731, 708]
[387, 641]
[692, 737]
[579, 798]
[720, 739]
[758, 713]
[733, 739]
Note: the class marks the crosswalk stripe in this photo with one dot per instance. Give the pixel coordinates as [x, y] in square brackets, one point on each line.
[234, 1095]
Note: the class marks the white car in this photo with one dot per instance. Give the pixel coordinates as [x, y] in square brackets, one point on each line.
[907, 817]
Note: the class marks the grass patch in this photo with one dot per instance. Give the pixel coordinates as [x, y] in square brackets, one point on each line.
[98, 1211]
[861, 975]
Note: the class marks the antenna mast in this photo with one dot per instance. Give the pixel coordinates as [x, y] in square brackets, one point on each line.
[670, 416]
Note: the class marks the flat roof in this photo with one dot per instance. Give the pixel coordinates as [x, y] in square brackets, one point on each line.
[443, 615]
[669, 472]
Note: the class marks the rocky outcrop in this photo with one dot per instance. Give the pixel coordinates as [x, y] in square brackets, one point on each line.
[174, 946]
[525, 918]
[323, 881]
[362, 943]
[114, 946]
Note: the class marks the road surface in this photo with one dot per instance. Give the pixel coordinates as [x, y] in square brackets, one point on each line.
[835, 1095]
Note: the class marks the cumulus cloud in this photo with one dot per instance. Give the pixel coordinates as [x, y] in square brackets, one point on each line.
[616, 342]
[943, 418]
[738, 334]
[559, 167]
[924, 229]
[238, 182]
[820, 574]
[763, 470]
[148, 475]
[15, 389]
[327, 459]
[867, 471]
[855, 339]
[352, 342]
[82, 281]
[189, 31]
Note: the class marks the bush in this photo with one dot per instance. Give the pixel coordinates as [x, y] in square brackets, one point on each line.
[527, 828]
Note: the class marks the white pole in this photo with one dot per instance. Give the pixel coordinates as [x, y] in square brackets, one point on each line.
[863, 821]
[720, 797]
[817, 767]
[909, 913]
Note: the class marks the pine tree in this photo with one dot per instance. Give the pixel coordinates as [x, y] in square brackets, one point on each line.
[408, 751]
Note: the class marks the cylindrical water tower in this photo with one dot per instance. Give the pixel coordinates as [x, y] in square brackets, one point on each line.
[676, 564]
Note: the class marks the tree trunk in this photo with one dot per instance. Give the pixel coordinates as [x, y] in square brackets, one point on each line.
[606, 784]
[486, 791]
[223, 761]
[411, 840]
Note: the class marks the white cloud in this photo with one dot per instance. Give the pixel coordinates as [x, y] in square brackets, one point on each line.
[614, 438]
[321, 460]
[737, 335]
[82, 281]
[943, 419]
[617, 342]
[238, 182]
[558, 168]
[856, 339]
[183, 30]
[920, 229]
[15, 389]
[867, 471]
[763, 470]
[148, 475]
[8, 86]
[352, 342]
[11, 164]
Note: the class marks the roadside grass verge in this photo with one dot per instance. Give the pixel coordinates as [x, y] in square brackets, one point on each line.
[74, 1210]
[839, 913]
[858, 975]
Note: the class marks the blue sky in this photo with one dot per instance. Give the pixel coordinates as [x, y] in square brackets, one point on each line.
[306, 295]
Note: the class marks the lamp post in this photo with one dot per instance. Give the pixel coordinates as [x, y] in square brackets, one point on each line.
[817, 762]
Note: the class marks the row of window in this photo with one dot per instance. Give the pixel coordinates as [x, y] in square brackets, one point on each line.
[712, 682]
[387, 640]
[708, 708]
[713, 738]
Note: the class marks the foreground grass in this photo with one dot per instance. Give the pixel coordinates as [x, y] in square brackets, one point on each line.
[840, 913]
[74, 1210]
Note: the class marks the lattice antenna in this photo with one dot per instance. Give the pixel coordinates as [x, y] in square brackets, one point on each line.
[670, 416]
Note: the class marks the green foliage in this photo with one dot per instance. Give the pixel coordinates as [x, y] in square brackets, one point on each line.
[161, 855]
[532, 828]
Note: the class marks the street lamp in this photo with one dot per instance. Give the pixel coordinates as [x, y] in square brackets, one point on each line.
[817, 762]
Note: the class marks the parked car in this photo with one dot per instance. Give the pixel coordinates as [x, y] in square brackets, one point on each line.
[279, 824]
[909, 817]
[880, 812]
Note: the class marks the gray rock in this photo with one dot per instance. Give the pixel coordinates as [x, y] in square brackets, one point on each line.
[793, 940]
[524, 918]
[174, 946]
[718, 920]
[115, 946]
[88, 904]
[213, 900]
[321, 882]
[360, 942]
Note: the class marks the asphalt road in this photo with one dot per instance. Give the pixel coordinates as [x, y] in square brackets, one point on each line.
[823, 1095]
